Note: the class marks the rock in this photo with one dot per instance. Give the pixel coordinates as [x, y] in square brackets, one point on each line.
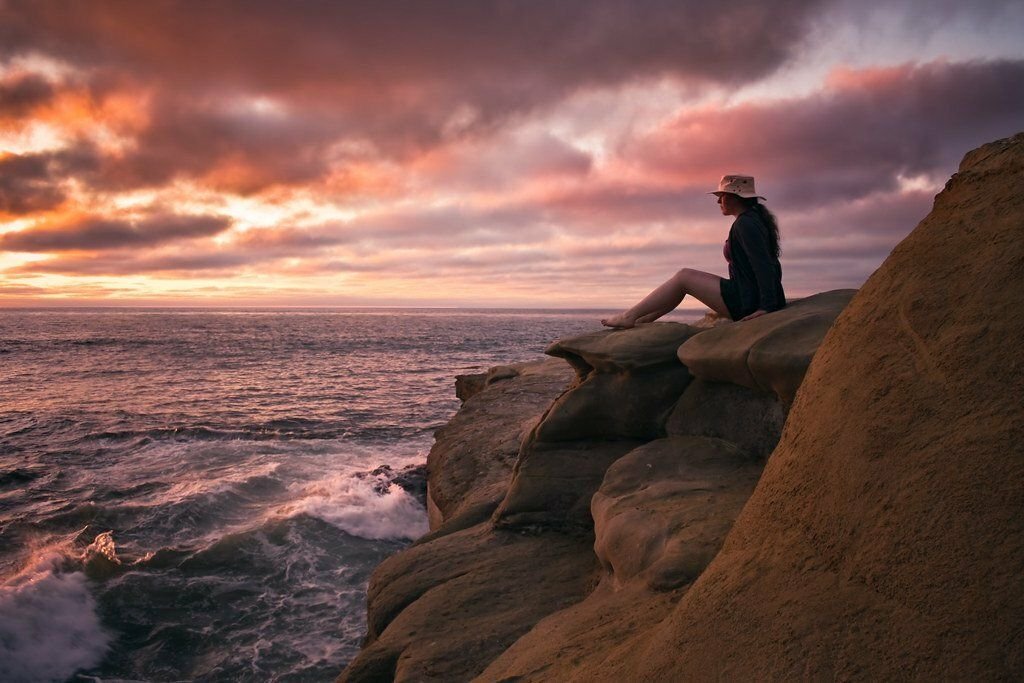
[443, 609]
[411, 479]
[472, 457]
[885, 539]
[643, 346]
[769, 353]
[660, 516]
[663, 510]
[752, 420]
[627, 383]
[586, 641]
[468, 386]
[552, 486]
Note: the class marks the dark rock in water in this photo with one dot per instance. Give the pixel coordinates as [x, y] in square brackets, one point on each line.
[100, 560]
[412, 479]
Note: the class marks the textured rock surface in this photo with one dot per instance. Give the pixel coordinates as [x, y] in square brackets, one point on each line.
[770, 353]
[663, 510]
[659, 517]
[627, 383]
[885, 539]
[443, 609]
[750, 419]
[473, 455]
[468, 386]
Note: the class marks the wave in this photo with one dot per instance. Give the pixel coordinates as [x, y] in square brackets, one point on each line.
[49, 624]
[371, 507]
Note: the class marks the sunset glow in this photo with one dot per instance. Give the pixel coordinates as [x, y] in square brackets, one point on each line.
[472, 154]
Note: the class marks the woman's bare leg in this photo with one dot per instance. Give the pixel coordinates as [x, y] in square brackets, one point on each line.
[704, 287]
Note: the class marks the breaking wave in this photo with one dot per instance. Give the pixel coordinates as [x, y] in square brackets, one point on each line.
[49, 624]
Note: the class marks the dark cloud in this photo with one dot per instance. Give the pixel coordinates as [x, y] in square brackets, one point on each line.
[127, 263]
[34, 182]
[860, 135]
[238, 150]
[102, 233]
[399, 77]
[411, 62]
[20, 95]
[26, 186]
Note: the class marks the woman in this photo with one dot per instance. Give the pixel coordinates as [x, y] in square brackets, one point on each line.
[754, 286]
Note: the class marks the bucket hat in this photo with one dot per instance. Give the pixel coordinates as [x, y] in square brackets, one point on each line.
[742, 185]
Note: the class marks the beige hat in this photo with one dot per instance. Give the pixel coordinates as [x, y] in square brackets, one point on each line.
[743, 185]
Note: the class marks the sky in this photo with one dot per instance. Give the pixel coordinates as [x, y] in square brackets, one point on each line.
[484, 153]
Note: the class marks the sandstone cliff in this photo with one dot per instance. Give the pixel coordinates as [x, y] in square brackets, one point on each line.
[633, 514]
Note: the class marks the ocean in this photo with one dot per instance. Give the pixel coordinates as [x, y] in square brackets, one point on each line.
[194, 494]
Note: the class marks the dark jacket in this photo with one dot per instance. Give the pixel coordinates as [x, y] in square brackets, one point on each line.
[753, 267]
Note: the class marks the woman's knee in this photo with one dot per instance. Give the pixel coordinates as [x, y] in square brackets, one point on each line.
[684, 277]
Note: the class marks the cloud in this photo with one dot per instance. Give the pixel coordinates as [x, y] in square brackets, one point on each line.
[20, 95]
[539, 147]
[863, 132]
[34, 182]
[350, 45]
[229, 146]
[127, 263]
[93, 233]
[411, 70]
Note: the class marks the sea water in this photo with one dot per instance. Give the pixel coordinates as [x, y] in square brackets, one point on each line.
[199, 494]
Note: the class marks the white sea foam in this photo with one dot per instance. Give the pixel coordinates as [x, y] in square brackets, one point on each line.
[352, 505]
[49, 627]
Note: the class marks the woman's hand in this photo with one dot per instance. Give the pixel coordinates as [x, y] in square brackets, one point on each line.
[756, 314]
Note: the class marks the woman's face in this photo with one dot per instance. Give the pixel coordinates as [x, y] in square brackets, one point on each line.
[730, 204]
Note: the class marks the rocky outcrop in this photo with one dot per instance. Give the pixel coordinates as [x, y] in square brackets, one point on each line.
[770, 353]
[633, 536]
[660, 516]
[473, 455]
[627, 382]
[751, 420]
[885, 539]
[562, 493]
[663, 509]
[444, 608]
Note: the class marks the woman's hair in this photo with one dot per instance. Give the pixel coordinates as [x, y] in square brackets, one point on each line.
[769, 220]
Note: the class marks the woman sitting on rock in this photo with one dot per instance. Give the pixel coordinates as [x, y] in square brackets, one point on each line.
[754, 286]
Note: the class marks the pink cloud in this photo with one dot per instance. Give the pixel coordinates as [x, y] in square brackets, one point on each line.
[858, 135]
[92, 233]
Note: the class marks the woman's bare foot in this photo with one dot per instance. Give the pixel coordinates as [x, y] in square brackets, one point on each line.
[619, 322]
